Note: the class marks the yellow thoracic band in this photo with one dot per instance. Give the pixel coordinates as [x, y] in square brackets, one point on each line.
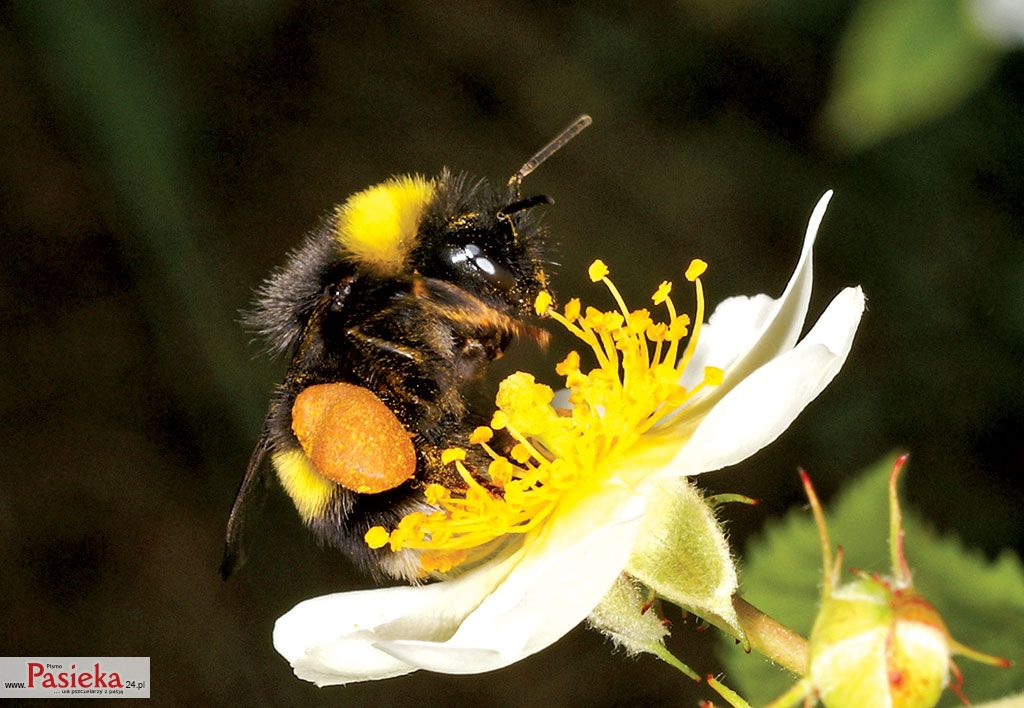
[377, 227]
[559, 454]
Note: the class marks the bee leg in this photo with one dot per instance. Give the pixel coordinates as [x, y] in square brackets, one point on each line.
[411, 370]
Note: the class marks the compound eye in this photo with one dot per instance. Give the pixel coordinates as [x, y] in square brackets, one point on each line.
[337, 293]
[471, 258]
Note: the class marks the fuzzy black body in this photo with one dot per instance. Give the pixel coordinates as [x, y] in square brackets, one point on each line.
[419, 337]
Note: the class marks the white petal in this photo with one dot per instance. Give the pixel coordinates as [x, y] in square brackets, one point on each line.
[778, 327]
[329, 639]
[563, 576]
[765, 403]
[731, 330]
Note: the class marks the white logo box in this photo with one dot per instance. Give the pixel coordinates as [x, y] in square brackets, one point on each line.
[74, 677]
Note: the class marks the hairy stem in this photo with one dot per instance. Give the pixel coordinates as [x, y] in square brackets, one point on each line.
[776, 641]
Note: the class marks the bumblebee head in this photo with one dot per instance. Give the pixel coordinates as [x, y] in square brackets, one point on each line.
[486, 240]
[483, 240]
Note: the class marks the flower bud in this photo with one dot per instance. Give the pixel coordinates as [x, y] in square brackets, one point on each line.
[877, 641]
[876, 645]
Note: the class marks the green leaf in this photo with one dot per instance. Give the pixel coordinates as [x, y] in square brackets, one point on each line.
[902, 64]
[982, 602]
[683, 556]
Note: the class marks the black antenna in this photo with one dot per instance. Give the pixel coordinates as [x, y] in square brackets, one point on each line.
[548, 150]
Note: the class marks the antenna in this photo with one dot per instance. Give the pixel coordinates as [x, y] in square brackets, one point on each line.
[548, 150]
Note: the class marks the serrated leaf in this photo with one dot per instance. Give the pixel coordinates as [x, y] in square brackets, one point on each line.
[982, 602]
[903, 63]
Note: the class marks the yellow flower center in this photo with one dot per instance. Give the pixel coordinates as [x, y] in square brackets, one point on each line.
[552, 454]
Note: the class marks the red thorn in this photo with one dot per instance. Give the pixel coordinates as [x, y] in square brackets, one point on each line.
[881, 580]
[957, 684]
[646, 606]
[706, 704]
[1004, 663]
[898, 465]
[754, 502]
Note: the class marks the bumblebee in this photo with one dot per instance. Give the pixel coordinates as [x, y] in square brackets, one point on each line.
[390, 312]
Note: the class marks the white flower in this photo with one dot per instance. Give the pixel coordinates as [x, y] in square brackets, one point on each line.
[746, 378]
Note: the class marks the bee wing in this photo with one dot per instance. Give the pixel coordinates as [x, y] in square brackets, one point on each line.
[248, 500]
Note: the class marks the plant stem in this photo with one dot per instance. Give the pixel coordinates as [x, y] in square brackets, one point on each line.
[776, 641]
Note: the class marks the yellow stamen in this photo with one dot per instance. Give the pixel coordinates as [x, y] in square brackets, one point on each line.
[520, 453]
[696, 269]
[597, 270]
[698, 319]
[435, 494]
[481, 435]
[500, 471]
[570, 364]
[572, 309]
[663, 290]
[452, 454]
[561, 454]
[618, 299]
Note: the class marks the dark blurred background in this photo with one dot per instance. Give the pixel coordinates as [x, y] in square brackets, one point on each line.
[158, 159]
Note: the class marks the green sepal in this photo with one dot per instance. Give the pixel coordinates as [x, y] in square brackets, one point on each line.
[683, 556]
[625, 616]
